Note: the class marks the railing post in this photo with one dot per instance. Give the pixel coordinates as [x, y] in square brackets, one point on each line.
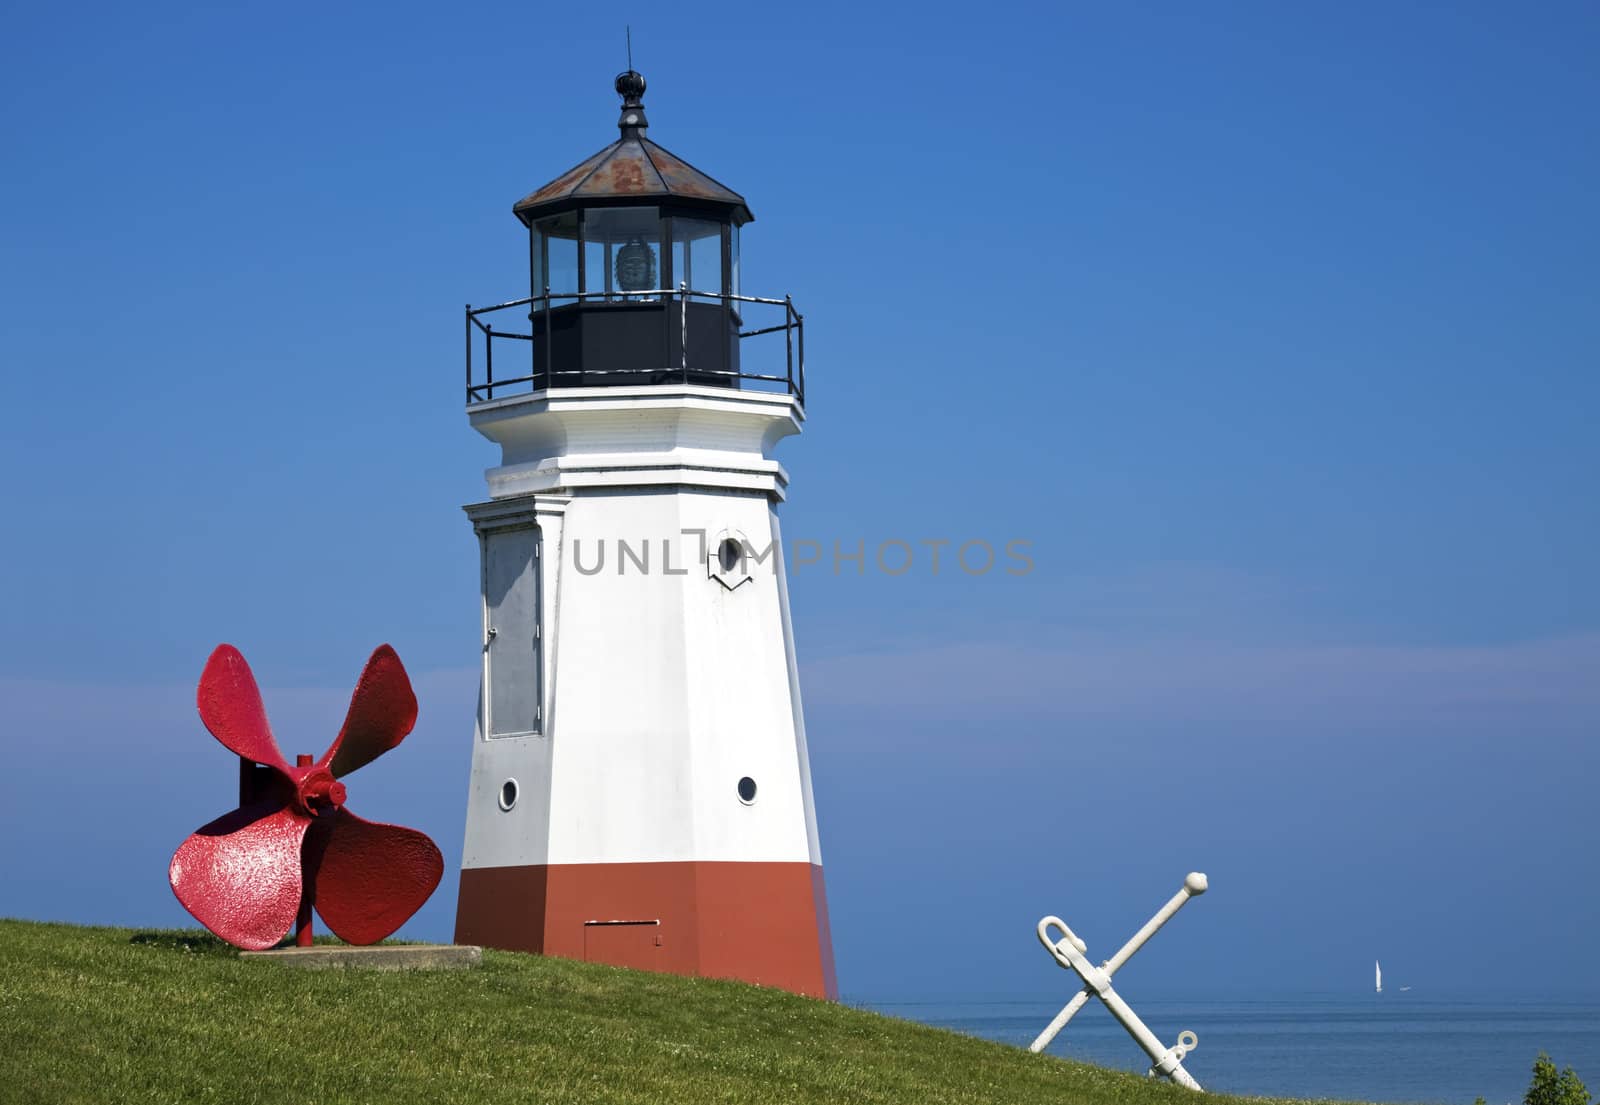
[788, 342]
[800, 327]
[469, 353]
[549, 340]
[683, 328]
[488, 357]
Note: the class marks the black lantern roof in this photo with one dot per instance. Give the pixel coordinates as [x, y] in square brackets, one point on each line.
[631, 169]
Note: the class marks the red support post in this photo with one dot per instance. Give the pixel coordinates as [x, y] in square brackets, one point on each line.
[302, 919]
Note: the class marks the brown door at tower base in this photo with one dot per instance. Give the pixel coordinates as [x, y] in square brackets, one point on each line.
[635, 944]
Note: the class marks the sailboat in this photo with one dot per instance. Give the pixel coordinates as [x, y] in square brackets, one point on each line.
[1377, 970]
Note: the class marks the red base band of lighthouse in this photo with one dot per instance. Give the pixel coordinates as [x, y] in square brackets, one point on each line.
[765, 923]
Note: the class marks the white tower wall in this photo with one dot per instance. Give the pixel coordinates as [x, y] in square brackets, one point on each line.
[663, 679]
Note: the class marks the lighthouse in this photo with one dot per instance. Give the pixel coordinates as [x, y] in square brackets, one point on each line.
[641, 790]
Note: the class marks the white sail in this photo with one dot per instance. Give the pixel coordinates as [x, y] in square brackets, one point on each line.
[1377, 970]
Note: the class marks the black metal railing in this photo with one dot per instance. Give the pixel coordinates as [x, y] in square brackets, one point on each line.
[545, 370]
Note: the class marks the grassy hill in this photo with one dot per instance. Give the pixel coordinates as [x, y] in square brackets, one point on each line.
[112, 1015]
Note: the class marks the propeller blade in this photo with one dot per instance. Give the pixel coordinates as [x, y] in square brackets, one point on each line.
[231, 708]
[383, 710]
[240, 875]
[370, 878]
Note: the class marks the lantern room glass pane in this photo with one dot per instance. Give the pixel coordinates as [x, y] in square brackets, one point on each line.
[598, 264]
[622, 252]
[555, 255]
[733, 258]
[697, 257]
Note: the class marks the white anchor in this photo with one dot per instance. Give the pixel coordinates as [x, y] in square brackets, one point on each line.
[1069, 951]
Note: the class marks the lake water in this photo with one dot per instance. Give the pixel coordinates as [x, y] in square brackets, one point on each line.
[1390, 1049]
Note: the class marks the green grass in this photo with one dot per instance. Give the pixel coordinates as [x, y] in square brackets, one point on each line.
[111, 1015]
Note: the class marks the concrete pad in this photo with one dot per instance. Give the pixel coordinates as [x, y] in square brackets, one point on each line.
[376, 957]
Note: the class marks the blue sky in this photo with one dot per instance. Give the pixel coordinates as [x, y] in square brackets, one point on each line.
[1273, 329]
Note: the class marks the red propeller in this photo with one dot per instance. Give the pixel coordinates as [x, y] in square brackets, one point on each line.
[248, 875]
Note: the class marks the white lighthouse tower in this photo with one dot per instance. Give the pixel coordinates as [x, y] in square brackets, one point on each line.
[641, 792]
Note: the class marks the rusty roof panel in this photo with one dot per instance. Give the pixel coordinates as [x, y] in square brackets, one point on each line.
[631, 167]
[563, 184]
[627, 172]
[683, 179]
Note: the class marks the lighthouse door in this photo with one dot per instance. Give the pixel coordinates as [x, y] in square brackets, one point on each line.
[633, 944]
[511, 599]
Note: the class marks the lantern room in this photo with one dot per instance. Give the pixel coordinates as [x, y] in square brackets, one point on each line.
[633, 258]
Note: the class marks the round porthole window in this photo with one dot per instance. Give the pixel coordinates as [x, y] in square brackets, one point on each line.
[729, 553]
[508, 794]
[747, 790]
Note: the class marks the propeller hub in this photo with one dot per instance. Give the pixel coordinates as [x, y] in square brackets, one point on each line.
[317, 790]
